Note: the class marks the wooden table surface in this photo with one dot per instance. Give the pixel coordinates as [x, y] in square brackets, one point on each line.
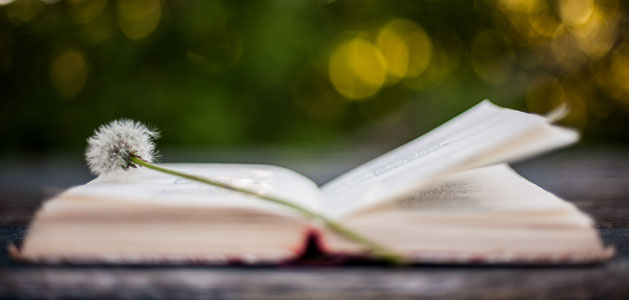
[594, 178]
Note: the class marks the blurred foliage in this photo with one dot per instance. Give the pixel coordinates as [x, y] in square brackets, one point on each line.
[303, 72]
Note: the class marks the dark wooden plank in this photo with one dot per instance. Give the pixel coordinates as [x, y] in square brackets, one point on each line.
[602, 282]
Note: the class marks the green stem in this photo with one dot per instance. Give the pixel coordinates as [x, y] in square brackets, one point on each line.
[376, 248]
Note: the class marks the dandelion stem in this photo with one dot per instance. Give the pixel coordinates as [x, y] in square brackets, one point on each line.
[379, 250]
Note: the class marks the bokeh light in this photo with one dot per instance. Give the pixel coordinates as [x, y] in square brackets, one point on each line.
[492, 59]
[406, 48]
[138, 18]
[597, 35]
[565, 50]
[418, 44]
[85, 11]
[443, 63]
[617, 80]
[98, 30]
[68, 72]
[395, 51]
[22, 11]
[575, 12]
[357, 68]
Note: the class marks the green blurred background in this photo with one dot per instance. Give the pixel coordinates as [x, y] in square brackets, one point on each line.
[303, 73]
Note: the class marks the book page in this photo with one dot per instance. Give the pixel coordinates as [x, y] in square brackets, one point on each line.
[496, 192]
[154, 188]
[484, 214]
[541, 138]
[484, 134]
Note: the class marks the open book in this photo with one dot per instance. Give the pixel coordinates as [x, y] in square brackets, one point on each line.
[444, 197]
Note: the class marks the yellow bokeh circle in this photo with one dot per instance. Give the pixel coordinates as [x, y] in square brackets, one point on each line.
[357, 69]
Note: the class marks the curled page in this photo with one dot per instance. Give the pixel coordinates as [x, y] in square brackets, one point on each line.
[484, 134]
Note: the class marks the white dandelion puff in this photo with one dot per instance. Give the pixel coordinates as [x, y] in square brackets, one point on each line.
[112, 144]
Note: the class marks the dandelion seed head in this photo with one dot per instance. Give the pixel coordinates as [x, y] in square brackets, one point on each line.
[109, 149]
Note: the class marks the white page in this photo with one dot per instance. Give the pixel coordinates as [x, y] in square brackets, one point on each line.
[485, 190]
[154, 188]
[535, 141]
[462, 142]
